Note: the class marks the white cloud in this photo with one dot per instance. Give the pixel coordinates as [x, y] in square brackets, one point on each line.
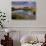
[23, 0]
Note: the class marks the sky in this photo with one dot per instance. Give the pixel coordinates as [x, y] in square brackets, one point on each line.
[23, 0]
[24, 3]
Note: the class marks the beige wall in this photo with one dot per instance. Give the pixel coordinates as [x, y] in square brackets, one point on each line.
[5, 6]
[36, 25]
[17, 35]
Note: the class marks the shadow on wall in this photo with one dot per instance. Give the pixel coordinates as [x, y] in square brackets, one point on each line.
[16, 43]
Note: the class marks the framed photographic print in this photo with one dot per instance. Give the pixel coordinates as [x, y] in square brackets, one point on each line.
[23, 10]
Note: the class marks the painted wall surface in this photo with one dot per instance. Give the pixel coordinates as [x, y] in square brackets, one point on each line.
[5, 6]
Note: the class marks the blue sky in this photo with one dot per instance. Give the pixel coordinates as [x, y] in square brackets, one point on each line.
[24, 3]
[23, 0]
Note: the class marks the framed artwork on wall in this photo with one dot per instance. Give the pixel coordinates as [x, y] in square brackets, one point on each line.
[23, 10]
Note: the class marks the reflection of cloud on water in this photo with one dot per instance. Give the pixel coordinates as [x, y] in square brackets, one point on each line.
[29, 13]
[22, 12]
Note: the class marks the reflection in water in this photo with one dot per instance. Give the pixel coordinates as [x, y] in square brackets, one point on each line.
[23, 12]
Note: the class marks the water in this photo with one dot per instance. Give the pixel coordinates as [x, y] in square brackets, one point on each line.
[23, 12]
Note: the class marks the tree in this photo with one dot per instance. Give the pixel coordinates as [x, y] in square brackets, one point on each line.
[2, 18]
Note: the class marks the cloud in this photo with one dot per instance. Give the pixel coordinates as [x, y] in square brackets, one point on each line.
[23, 0]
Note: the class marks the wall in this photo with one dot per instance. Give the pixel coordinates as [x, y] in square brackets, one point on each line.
[17, 35]
[36, 25]
[5, 6]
